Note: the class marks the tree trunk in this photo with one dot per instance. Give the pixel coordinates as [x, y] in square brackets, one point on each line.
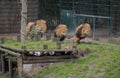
[23, 19]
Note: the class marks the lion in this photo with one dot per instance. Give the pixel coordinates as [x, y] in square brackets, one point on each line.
[41, 26]
[60, 32]
[82, 32]
[28, 27]
[34, 28]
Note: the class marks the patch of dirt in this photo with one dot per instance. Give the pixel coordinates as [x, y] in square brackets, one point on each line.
[30, 70]
[91, 66]
[99, 75]
[82, 53]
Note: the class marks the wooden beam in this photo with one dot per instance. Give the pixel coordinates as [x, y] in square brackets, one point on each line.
[45, 61]
[12, 58]
[9, 52]
[48, 57]
[14, 49]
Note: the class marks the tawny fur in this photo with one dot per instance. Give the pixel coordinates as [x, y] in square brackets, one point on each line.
[40, 26]
[61, 32]
[28, 27]
[82, 32]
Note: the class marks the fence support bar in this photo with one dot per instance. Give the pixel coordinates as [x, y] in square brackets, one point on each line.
[10, 52]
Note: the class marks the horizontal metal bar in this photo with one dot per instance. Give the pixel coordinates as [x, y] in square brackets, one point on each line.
[92, 16]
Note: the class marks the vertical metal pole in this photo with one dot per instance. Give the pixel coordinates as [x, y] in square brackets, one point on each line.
[111, 19]
[93, 33]
[74, 21]
[60, 3]
[23, 19]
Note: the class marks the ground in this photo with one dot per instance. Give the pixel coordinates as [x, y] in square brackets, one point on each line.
[101, 62]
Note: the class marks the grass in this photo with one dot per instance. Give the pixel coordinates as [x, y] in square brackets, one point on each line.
[103, 62]
[33, 44]
[3, 75]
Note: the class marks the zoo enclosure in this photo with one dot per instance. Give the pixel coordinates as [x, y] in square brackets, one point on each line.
[12, 59]
[60, 11]
[99, 13]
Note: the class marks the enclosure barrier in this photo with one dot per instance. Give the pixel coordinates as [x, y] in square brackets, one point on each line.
[12, 59]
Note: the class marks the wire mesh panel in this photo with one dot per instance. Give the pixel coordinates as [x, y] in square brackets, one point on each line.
[96, 12]
[9, 16]
[92, 7]
[74, 12]
[49, 10]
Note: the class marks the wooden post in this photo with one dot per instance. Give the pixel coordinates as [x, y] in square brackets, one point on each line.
[20, 67]
[2, 40]
[74, 47]
[45, 47]
[18, 38]
[58, 45]
[10, 69]
[75, 52]
[23, 47]
[0, 61]
[23, 19]
[3, 63]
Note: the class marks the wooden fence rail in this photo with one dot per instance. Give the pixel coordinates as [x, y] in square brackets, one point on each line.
[10, 55]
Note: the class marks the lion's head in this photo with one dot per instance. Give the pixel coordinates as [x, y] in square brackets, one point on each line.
[41, 25]
[82, 31]
[61, 31]
[34, 28]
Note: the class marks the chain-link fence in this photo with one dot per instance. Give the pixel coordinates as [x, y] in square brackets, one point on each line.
[103, 15]
[75, 12]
